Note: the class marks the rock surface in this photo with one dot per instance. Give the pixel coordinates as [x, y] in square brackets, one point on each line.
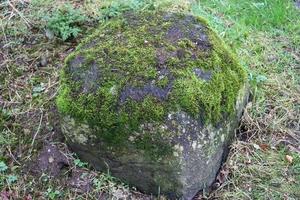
[154, 98]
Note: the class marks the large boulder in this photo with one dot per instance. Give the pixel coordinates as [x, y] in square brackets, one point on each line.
[153, 98]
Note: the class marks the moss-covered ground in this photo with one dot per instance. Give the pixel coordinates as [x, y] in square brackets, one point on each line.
[264, 160]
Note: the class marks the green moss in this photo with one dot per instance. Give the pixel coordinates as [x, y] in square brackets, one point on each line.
[125, 53]
[163, 82]
[186, 43]
[63, 103]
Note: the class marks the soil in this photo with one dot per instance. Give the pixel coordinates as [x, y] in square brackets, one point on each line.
[50, 161]
[81, 180]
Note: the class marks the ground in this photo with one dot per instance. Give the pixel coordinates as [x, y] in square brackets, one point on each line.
[264, 161]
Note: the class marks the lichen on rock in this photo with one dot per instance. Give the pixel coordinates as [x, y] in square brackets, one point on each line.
[150, 82]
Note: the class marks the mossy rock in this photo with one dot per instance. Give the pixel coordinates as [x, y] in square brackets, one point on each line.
[154, 98]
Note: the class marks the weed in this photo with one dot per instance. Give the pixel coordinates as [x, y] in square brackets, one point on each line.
[65, 21]
[52, 194]
[38, 89]
[79, 163]
[112, 10]
[117, 7]
[3, 166]
[3, 169]
[6, 179]
[11, 179]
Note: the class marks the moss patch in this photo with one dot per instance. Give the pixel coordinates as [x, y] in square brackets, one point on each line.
[140, 67]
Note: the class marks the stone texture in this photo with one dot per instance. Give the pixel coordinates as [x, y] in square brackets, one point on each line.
[119, 114]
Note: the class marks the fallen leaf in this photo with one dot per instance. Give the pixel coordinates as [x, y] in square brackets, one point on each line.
[264, 147]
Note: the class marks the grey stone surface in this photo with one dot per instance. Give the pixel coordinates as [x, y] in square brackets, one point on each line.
[197, 156]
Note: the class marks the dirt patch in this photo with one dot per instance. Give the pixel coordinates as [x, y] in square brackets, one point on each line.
[81, 180]
[50, 161]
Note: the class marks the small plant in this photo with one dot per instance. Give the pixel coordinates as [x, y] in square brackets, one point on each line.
[257, 79]
[111, 11]
[79, 163]
[118, 7]
[37, 90]
[11, 179]
[52, 194]
[65, 22]
[3, 166]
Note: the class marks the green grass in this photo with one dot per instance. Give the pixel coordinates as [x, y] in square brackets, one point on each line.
[258, 14]
[266, 37]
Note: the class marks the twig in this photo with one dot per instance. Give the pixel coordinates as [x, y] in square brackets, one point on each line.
[38, 130]
[19, 13]
[3, 30]
[12, 156]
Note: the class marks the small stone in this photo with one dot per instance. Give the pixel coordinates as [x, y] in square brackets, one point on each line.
[51, 159]
[175, 154]
[194, 145]
[205, 75]
[131, 138]
[289, 159]
[43, 61]
[49, 34]
[222, 138]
